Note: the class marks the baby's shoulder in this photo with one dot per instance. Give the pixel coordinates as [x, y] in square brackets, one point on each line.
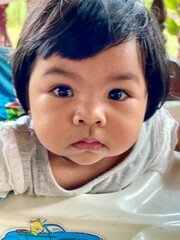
[18, 135]
[24, 123]
[19, 130]
[161, 117]
[162, 122]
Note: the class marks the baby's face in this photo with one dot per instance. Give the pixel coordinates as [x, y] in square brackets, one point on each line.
[91, 109]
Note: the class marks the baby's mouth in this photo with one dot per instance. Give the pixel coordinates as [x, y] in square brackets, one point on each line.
[88, 144]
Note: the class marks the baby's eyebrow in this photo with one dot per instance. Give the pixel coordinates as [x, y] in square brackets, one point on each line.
[125, 76]
[59, 71]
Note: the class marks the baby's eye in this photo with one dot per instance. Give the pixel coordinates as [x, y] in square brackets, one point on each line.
[117, 94]
[63, 91]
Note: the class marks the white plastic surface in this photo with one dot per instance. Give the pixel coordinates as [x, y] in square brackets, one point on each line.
[168, 231]
[149, 209]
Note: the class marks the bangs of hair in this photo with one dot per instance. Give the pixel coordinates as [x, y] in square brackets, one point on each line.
[87, 28]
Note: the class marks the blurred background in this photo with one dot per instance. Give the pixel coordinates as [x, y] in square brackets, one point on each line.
[14, 12]
[12, 17]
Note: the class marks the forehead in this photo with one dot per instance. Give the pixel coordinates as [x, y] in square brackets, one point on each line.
[126, 55]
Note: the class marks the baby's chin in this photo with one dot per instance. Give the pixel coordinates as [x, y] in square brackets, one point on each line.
[82, 161]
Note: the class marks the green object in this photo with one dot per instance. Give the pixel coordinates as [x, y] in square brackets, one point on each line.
[173, 23]
[16, 14]
[10, 109]
[13, 110]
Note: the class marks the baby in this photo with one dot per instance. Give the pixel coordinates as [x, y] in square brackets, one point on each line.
[92, 77]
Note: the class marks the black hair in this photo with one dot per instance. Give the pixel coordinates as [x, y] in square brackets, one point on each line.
[79, 29]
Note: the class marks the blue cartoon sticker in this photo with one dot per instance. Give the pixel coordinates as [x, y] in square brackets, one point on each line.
[39, 229]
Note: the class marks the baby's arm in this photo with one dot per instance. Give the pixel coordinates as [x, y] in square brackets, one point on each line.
[4, 173]
[11, 172]
[173, 113]
[173, 109]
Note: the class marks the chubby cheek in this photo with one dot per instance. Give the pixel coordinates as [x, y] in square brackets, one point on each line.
[50, 136]
[49, 123]
[123, 138]
[125, 131]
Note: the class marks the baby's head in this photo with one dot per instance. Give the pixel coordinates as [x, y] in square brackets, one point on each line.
[81, 29]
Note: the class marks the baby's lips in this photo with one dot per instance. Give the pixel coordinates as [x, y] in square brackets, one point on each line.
[88, 144]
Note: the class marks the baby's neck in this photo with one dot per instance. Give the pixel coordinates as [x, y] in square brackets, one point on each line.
[70, 175]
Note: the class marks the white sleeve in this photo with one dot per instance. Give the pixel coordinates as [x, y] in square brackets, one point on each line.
[166, 127]
[11, 170]
[5, 187]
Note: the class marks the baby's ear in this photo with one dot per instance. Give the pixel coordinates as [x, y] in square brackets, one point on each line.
[29, 113]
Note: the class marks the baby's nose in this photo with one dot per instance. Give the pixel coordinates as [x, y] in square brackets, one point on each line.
[90, 116]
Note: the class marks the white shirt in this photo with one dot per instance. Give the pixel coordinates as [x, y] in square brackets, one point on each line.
[25, 168]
